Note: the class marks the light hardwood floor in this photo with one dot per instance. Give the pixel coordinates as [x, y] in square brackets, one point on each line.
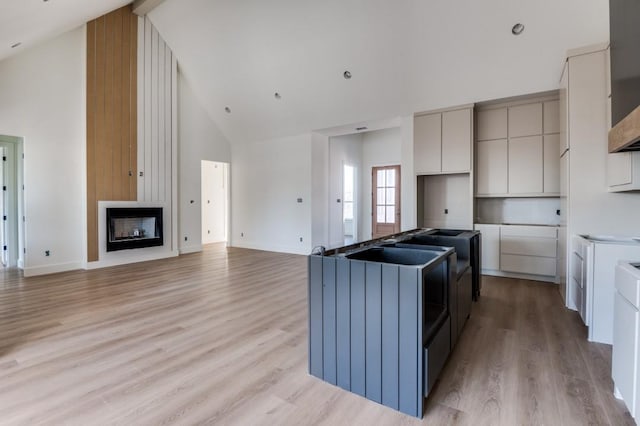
[220, 337]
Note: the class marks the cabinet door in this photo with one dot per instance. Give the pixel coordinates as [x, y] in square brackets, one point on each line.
[619, 169]
[525, 120]
[551, 117]
[490, 235]
[551, 165]
[525, 165]
[492, 167]
[427, 143]
[563, 106]
[492, 124]
[456, 141]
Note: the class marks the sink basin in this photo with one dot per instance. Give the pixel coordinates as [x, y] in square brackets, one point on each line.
[611, 238]
[396, 255]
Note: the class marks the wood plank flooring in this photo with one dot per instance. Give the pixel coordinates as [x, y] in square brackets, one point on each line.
[220, 337]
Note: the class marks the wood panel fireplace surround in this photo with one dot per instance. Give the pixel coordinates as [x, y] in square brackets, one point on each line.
[135, 227]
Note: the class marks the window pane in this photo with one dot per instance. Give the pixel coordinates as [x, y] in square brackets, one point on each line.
[391, 196]
[348, 210]
[380, 214]
[391, 214]
[380, 196]
[391, 178]
[380, 179]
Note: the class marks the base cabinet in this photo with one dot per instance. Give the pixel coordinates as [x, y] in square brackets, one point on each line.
[520, 250]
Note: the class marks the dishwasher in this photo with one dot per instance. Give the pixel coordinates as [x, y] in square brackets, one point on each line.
[624, 362]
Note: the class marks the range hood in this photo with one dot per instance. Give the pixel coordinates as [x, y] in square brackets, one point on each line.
[625, 136]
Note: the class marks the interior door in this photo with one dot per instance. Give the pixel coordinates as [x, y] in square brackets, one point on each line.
[385, 212]
[3, 210]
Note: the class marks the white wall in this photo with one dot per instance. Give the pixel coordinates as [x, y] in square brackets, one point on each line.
[319, 189]
[379, 148]
[198, 139]
[267, 178]
[343, 150]
[42, 92]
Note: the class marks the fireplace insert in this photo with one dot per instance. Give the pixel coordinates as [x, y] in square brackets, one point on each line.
[132, 228]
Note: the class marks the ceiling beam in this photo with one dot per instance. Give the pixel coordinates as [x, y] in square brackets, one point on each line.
[142, 7]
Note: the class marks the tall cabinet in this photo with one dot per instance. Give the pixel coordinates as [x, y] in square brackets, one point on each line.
[443, 149]
[582, 153]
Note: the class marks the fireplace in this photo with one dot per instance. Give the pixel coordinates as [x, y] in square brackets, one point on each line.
[132, 228]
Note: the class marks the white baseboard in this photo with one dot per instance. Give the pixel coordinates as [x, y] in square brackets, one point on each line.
[543, 278]
[190, 249]
[279, 249]
[33, 271]
[132, 259]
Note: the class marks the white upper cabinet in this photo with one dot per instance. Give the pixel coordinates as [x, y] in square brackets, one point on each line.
[492, 124]
[442, 142]
[551, 117]
[427, 145]
[456, 141]
[525, 120]
[517, 149]
[563, 106]
[525, 165]
[551, 172]
[492, 165]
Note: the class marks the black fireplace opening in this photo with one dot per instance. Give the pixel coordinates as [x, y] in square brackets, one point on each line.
[135, 227]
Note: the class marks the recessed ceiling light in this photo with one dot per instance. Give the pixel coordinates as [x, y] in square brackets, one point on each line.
[347, 74]
[361, 128]
[277, 95]
[13, 46]
[517, 29]
[227, 110]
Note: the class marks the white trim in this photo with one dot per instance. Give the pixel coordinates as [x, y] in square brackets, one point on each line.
[279, 249]
[545, 278]
[190, 249]
[128, 260]
[51, 269]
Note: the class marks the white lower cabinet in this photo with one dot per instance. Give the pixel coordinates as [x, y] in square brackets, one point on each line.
[490, 249]
[522, 250]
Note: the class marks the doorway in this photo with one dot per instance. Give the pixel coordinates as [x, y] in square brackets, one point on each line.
[385, 211]
[215, 201]
[11, 202]
[349, 206]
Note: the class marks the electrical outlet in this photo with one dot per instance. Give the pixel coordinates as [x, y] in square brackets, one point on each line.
[242, 234]
[446, 211]
[47, 253]
[300, 239]
[185, 238]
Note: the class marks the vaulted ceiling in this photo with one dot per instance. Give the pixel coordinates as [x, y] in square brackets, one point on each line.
[405, 56]
[29, 22]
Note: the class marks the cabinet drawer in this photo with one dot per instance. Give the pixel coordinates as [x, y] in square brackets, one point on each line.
[528, 264]
[544, 247]
[627, 284]
[576, 268]
[529, 231]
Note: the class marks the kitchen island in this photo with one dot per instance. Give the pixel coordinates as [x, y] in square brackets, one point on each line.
[384, 316]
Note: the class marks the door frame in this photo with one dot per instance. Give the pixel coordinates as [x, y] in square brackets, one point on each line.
[14, 208]
[374, 195]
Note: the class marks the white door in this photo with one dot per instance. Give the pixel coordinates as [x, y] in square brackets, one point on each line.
[3, 210]
[214, 202]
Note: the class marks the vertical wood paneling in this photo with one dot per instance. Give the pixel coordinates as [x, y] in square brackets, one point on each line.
[408, 337]
[358, 320]
[343, 322]
[373, 330]
[162, 84]
[111, 119]
[390, 335]
[132, 164]
[329, 319]
[146, 78]
[315, 316]
[92, 205]
[158, 80]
